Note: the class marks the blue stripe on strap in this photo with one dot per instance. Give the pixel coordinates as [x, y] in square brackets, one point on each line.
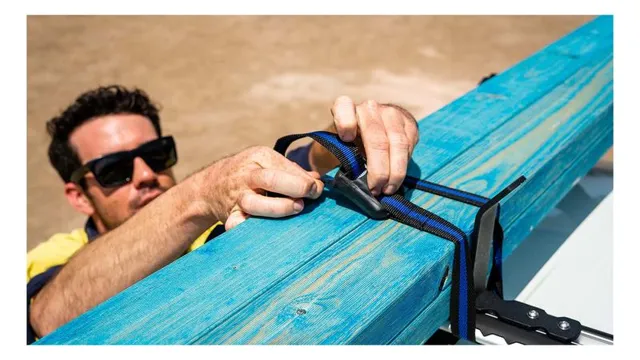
[346, 151]
[422, 219]
[434, 226]
[454, 194]
[412, 215]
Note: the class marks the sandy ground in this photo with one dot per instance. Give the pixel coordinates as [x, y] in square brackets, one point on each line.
[229, 82]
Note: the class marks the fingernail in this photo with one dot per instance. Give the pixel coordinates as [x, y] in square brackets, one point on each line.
[375, 192]
[389, 189]
[298, 205]
[230, 225]
[314, 189]
[348, 137]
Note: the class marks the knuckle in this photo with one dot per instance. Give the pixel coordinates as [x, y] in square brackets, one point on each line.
[371, 104]
[391, 113]
[397, 177]
[379, 177]
[278, 208]
[252, 149]
[307, 186]
[379, 143]
[264, 150]
[399, 142]
[410, 151]
[269, 177]
[416, 138]
[259, 151]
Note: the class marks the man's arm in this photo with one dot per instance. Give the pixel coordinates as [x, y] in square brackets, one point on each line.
[228, 190]
[158, 234]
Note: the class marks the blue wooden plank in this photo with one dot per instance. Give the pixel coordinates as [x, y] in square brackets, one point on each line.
[425, 324]
[389, 269]
[200, 292]
[584, 42]
[521, 227]
[220, 275]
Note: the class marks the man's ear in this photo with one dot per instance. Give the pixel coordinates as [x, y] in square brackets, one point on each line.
[78, 199]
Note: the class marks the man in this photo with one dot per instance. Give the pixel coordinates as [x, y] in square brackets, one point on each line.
[109, 150]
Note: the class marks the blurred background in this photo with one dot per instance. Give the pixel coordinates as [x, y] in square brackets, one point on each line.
[228, 82]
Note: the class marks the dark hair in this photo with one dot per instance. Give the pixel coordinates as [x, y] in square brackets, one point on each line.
[104, 100]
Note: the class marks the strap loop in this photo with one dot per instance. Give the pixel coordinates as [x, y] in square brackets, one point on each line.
[351, 181]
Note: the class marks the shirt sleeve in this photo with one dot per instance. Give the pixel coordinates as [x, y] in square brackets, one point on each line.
[44, 262]
[212, 232]
[33, 288]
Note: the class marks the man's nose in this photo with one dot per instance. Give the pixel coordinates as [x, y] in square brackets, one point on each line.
[143, 175]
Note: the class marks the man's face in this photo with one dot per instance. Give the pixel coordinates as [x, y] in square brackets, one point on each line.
[112, 133]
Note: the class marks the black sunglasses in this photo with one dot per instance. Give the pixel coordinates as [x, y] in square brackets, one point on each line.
[116, 169]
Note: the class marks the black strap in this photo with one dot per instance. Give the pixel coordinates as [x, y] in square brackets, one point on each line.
[462, 306]
[353, 170]
[444, 191]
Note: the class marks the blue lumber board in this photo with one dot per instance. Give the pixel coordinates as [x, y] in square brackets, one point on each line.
[420, 329]
[521, 227]
[596, 36]
[427, 322]
[214, 259]
[186, 300]
[388, 271]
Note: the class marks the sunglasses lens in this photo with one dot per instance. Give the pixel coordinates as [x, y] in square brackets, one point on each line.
[113, 171]
[117, 169]
[161, 155]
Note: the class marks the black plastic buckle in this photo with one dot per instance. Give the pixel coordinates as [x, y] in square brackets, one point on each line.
[358, 192]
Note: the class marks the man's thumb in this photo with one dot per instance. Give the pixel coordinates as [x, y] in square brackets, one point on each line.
[235, 218]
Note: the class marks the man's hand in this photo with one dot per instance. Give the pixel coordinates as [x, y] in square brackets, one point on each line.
[388, 134]
[229, 190]
[235, 187]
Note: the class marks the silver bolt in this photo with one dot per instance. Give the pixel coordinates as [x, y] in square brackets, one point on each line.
[564, 325]
[532, 314]
[301, 311]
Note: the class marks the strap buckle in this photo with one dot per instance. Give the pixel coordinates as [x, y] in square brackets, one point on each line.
[358, 192]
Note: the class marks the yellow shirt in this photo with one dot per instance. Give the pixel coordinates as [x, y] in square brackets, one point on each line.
[60, 247]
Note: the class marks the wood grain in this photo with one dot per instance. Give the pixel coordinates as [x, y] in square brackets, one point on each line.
[431, 317]
[388, 272]
[331, 276]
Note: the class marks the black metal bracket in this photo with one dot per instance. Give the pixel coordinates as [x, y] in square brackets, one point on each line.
[483, 233]
[531, 319]
[512, 320]
[486, 229]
